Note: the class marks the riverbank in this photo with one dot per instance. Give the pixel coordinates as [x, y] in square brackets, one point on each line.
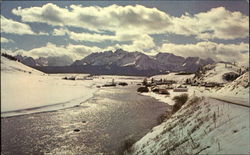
[202, 126]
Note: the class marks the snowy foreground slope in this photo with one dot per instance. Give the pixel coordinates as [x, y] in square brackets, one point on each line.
[201, 126]
[26, 90]
[213, 121]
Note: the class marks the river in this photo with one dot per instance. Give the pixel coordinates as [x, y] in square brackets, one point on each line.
[104, 123]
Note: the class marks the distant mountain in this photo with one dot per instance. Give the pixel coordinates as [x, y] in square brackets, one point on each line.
[161, 62]
[119, 62]
[29, 61]
[42, 61]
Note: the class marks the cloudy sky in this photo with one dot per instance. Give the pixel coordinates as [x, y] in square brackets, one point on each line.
[216, 29]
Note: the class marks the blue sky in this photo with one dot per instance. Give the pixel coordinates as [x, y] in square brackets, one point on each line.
[217, 29]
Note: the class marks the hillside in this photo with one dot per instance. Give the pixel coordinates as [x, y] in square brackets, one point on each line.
[215, 72]
[23, 87]
[214, 120]
[201, 126]
[10, 66]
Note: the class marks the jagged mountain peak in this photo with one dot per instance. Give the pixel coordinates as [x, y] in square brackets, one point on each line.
[161, 61]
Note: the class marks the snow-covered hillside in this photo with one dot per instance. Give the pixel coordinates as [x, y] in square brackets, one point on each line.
[238, 86]
[23, 88]
[215, 72]
[201, 126]
[10, 66]
[213, 121]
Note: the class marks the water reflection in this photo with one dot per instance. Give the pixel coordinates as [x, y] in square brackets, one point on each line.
[103, 123]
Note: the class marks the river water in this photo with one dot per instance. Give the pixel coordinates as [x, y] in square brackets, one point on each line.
[105, 121]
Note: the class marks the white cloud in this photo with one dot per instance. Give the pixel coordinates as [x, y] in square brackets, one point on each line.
[139, 42]
[11, 26]
[5, 40]
[215, 23]
[73, 51]
[113, 18]
[90, 37]
[14, 27]
[219, 52]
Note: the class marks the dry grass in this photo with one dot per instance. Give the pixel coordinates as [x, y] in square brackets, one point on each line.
[179, 102]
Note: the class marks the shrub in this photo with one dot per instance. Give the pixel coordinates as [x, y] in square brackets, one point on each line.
[163, 117]
[164, 91]
[145, 81]
[179, 101]
[156, 90]
[230, 76]
[143, 89]
[122, 83]
[128, 143]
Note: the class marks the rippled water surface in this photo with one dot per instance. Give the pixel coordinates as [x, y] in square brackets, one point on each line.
[105, 122]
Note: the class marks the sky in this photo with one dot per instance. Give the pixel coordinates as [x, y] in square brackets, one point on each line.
[208, 29]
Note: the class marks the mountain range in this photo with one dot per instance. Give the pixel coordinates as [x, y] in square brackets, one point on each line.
[118, 62]
[161, 61]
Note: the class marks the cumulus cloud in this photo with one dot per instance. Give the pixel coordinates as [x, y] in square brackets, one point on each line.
[5, 40]
[217, 51]
[96, 37]
[14, 27]
[139, 42]
[11, 26]
[90, 37]
[215, 23]
[113, 18]
[73, 51]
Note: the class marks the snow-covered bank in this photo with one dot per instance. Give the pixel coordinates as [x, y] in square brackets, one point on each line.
[32, 91]
[201, 126]
[25, 90]
[168, 99]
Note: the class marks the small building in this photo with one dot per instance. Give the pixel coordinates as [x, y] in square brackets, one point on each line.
[180, 90]
[88, 78]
